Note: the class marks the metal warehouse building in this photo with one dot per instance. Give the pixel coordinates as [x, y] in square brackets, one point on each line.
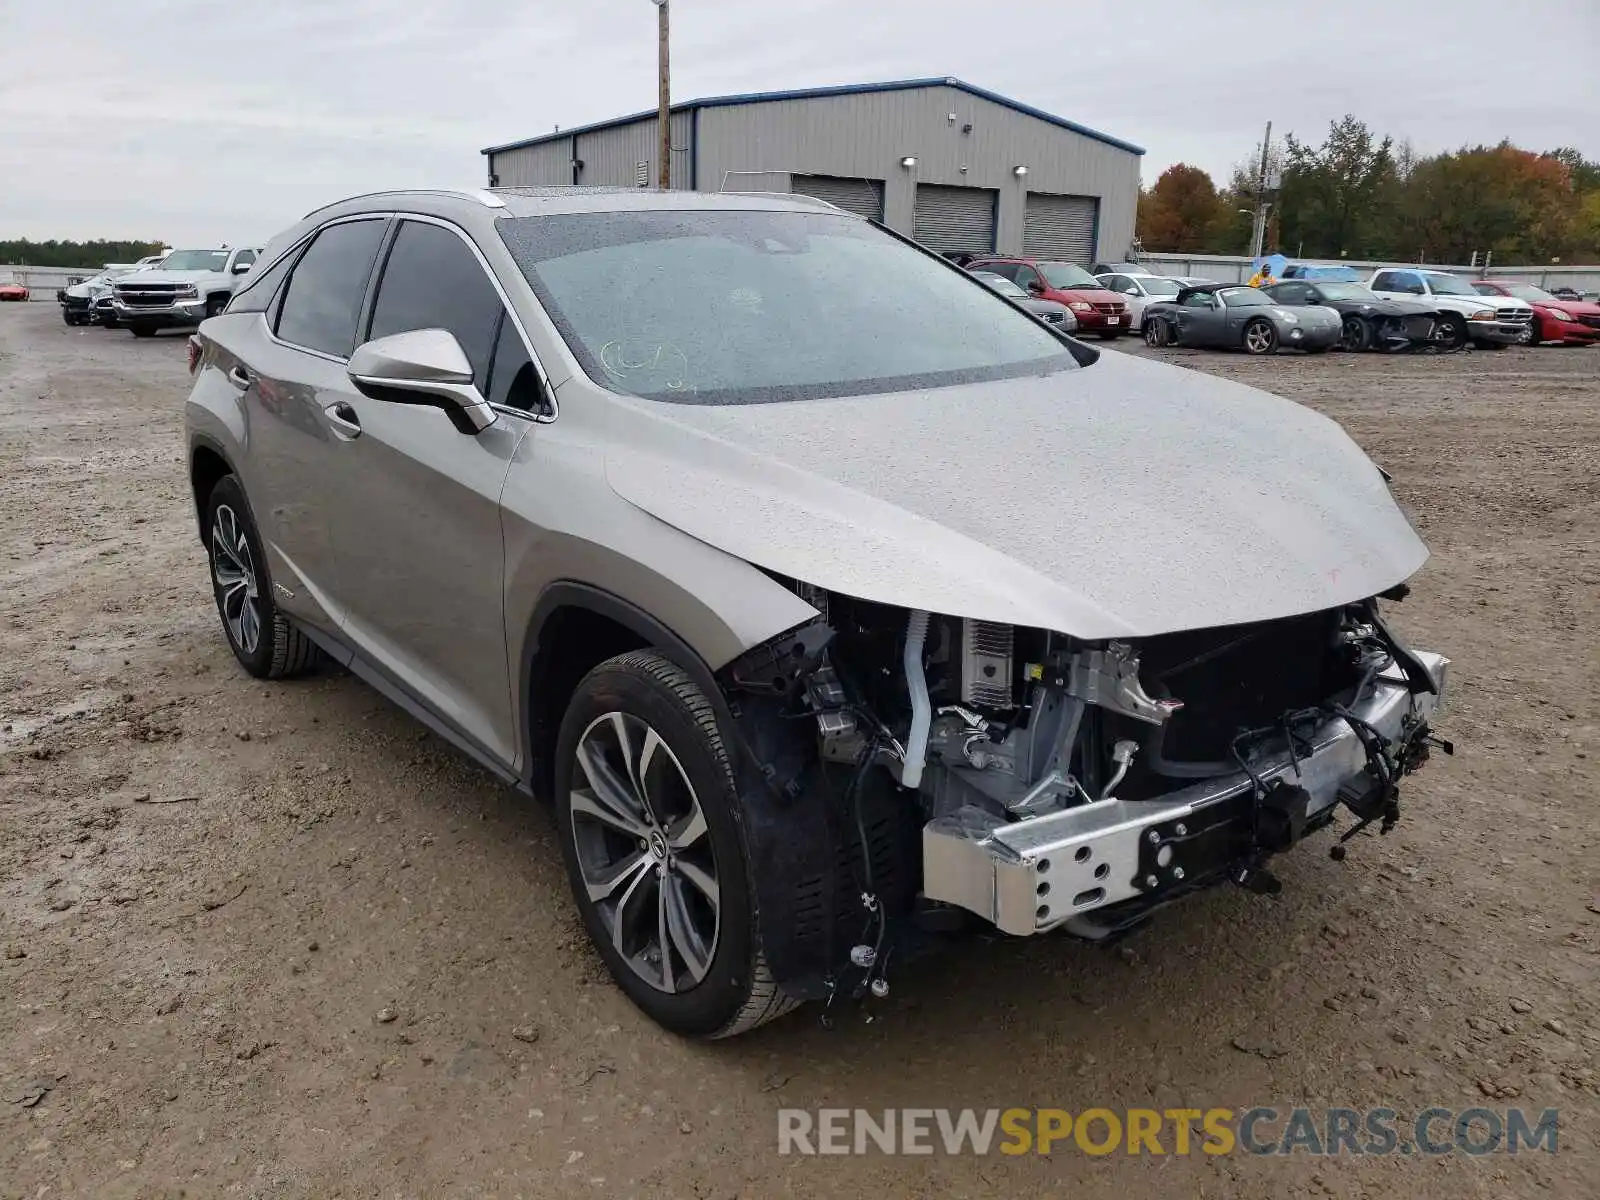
[957, 167]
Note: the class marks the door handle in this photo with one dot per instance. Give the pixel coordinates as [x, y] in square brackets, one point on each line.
[346, 424]
[239, 377]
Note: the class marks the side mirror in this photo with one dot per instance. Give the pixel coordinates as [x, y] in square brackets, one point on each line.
[1035, 286]
[424, 366]
[240, 268]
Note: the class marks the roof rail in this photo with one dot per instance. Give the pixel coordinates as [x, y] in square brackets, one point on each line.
[485, 198]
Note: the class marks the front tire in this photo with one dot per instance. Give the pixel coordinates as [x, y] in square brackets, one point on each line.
[263, 640]
[1356, 334]
[1260, 337]
[1451, 333]
[1531, 336]
[215, 305]
[650, 821]
[1155, 333]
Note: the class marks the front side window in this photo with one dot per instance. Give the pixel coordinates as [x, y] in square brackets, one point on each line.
[1197, 300]
[431, 280]
[1026, 276]
[323, 298]
[733, 307]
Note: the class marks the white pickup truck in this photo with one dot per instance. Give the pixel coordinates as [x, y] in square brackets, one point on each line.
[188, 287]
[1489, 321]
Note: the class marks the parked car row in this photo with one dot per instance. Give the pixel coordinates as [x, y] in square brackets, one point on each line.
[1314, 308]
[178, 289]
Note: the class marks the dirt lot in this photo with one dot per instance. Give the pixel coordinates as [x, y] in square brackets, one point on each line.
[279, 941]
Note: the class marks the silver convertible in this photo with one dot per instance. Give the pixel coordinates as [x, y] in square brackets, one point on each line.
[834, 603]
[1235, 316]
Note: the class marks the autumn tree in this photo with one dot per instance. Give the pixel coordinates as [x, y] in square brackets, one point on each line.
[1180, 211]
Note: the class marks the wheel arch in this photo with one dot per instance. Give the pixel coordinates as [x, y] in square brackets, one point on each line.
[573, 628]
[208, 465]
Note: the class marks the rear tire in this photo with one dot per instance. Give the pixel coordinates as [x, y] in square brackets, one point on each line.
[1356, 334]
[1260, 337]
[263, 640]
[657, 859]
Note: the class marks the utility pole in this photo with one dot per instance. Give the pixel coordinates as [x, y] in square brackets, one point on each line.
[1258, 228]
[664, 108]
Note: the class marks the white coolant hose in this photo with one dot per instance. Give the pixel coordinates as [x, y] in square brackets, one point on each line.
[921, 711]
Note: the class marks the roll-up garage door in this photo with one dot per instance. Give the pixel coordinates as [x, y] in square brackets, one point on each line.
[1060, 227]
[861, 196]
[955, 218]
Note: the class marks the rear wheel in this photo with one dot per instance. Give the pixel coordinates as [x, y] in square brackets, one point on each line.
[1356, 334]
[261, 637]
[649, 826]
[1260, 337]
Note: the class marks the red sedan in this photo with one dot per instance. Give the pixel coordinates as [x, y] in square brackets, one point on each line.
[1574, 322]
[13, 291]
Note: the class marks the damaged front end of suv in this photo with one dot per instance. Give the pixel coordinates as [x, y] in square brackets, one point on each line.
[1041, 782]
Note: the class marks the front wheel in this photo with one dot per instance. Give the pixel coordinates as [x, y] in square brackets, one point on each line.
[1260, 337]
[215, 304]
[1155, 333]
[647, 813]
[1530, 335]
[1356, 334]
[261, 637]
[1450, 333]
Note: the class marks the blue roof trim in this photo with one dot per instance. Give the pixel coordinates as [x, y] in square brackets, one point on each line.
[844, 89]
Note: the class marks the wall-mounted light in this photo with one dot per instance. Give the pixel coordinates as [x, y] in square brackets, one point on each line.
[908, 162]
[1019, 171]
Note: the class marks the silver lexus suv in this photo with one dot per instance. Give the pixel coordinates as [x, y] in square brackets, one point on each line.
[834, 603]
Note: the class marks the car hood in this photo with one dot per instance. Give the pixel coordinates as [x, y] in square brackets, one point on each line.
[1127, 499]
[1585, 308]
[1384, 308]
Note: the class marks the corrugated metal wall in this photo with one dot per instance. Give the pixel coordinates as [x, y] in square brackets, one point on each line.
[609, 156]
[865, 135]
[861, 196]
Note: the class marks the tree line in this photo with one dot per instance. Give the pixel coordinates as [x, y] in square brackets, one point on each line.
[1363, 196]
[53, 253]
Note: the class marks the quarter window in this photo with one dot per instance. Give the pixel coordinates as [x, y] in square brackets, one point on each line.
[431, 280]
[512, 378]
[256, 294]
[323, 299]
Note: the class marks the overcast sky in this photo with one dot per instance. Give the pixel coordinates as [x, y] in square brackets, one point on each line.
[225, 120]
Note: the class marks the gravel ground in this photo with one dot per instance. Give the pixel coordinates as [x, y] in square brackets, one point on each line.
[278, 940]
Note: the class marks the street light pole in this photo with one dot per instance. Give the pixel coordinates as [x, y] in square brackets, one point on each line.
[664, 107]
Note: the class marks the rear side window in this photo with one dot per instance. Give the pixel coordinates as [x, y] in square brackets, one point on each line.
[258, 295]
[323, 301]
[431, 280]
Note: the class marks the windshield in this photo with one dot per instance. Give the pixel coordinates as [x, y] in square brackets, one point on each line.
[1065, 275]
[195, 260]
[1345, 291]
[1245, 297]
[1000, 284]
[1526, 291]
[1448, 285]
[737, 307]
[1154, 286]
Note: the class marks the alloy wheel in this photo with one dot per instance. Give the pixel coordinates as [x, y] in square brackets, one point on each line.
[644, 852]
[1527, 337]
[233, 568]
[1258, 338]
